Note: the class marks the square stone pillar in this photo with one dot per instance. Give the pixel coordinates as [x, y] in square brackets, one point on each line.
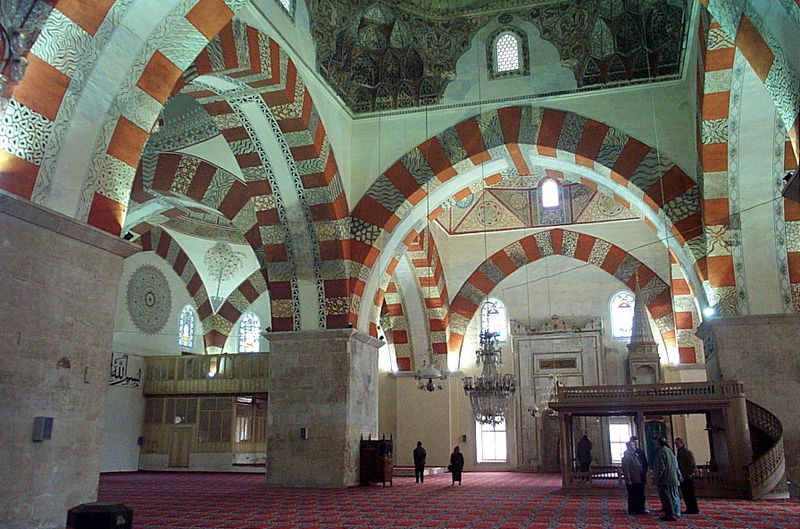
[325, 381]
[59, 279]
[762, 352]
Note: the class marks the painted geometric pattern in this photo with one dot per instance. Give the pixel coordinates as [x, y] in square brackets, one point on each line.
[741, 23]
[160, 242]
[687, 319]
[253, 59]
[395, 327]
[216, 326]
[429, 271]
[717, 268]
[241, 203]
[68, 49]
[664, 187]
[791, 213]
[579, 246]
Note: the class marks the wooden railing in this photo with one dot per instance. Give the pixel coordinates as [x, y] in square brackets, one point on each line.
[661, 392]
[767, 469]
[236, 373]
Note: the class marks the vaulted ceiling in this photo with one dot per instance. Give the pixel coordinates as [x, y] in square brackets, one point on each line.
[387, 55]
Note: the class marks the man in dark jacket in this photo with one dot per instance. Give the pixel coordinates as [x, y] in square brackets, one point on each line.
[687, 465]
[419, 462]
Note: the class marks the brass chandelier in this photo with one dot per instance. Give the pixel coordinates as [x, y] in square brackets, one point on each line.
[490, 394]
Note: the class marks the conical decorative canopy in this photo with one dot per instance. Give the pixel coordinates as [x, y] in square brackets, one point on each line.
[641, 334]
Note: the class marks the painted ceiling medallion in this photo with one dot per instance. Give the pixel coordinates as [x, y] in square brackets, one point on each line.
[149, 299]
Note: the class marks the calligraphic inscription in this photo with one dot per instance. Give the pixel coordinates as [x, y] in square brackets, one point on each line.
[558, 363]
[126, 371]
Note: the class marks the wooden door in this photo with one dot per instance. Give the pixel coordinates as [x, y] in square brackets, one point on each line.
[180, 446]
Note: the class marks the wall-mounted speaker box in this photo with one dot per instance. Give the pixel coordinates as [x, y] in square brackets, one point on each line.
[42, 428]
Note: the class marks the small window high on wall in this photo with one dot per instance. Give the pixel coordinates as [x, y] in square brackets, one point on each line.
[186, 327]
[493, 319]
[622, 315]
[551, 194]
[491, 442]
[249, 333]
[507, 52]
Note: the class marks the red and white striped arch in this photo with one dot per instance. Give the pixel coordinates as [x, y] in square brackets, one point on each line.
[579, 246]
[389, 215]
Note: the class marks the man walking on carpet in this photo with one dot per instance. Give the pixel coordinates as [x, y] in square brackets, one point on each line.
[419, 462]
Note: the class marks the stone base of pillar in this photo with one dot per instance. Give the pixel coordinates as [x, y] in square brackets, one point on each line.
[323, 384]
[761, 351]
[59, 282]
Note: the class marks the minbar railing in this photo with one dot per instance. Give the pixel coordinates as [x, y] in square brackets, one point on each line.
[234, 373]
[648, 392]
[767, 469]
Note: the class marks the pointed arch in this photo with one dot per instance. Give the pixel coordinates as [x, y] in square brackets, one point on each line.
[580, 246]
[431, 282]
[510, 138]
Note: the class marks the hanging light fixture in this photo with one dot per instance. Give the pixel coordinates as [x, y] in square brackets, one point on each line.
[20, 22]
[430, 371]
[490, 394]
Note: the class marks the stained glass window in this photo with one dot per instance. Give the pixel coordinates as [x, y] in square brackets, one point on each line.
[493, 319]
[186, 327]
[506, 48]
[249, 333]
[551, 197]
[622, 315]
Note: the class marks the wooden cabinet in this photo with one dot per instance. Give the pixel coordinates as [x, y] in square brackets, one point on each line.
[376, 461]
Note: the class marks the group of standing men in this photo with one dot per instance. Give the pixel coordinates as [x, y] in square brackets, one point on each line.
[669, 472]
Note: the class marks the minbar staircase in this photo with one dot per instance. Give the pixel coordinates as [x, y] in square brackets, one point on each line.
[766, 472]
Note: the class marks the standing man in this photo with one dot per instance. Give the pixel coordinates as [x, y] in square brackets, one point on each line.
[634, 479]
[686, 465]
[419, 462]
[584, 453]
[668, 477]
[640, 503]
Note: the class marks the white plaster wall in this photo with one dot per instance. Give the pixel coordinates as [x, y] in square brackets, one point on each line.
[123, 426]
[128, 338]
[752, 163]
[217, 151]
[196, 248]
[546, 73]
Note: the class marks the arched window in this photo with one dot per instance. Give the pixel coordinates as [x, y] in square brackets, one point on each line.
[186, 327]
[493, 319]
[507, 52]
[551, 194]
[249, 333]
[622, 314]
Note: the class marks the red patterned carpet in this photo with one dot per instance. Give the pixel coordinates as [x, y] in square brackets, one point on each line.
[491, 500]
